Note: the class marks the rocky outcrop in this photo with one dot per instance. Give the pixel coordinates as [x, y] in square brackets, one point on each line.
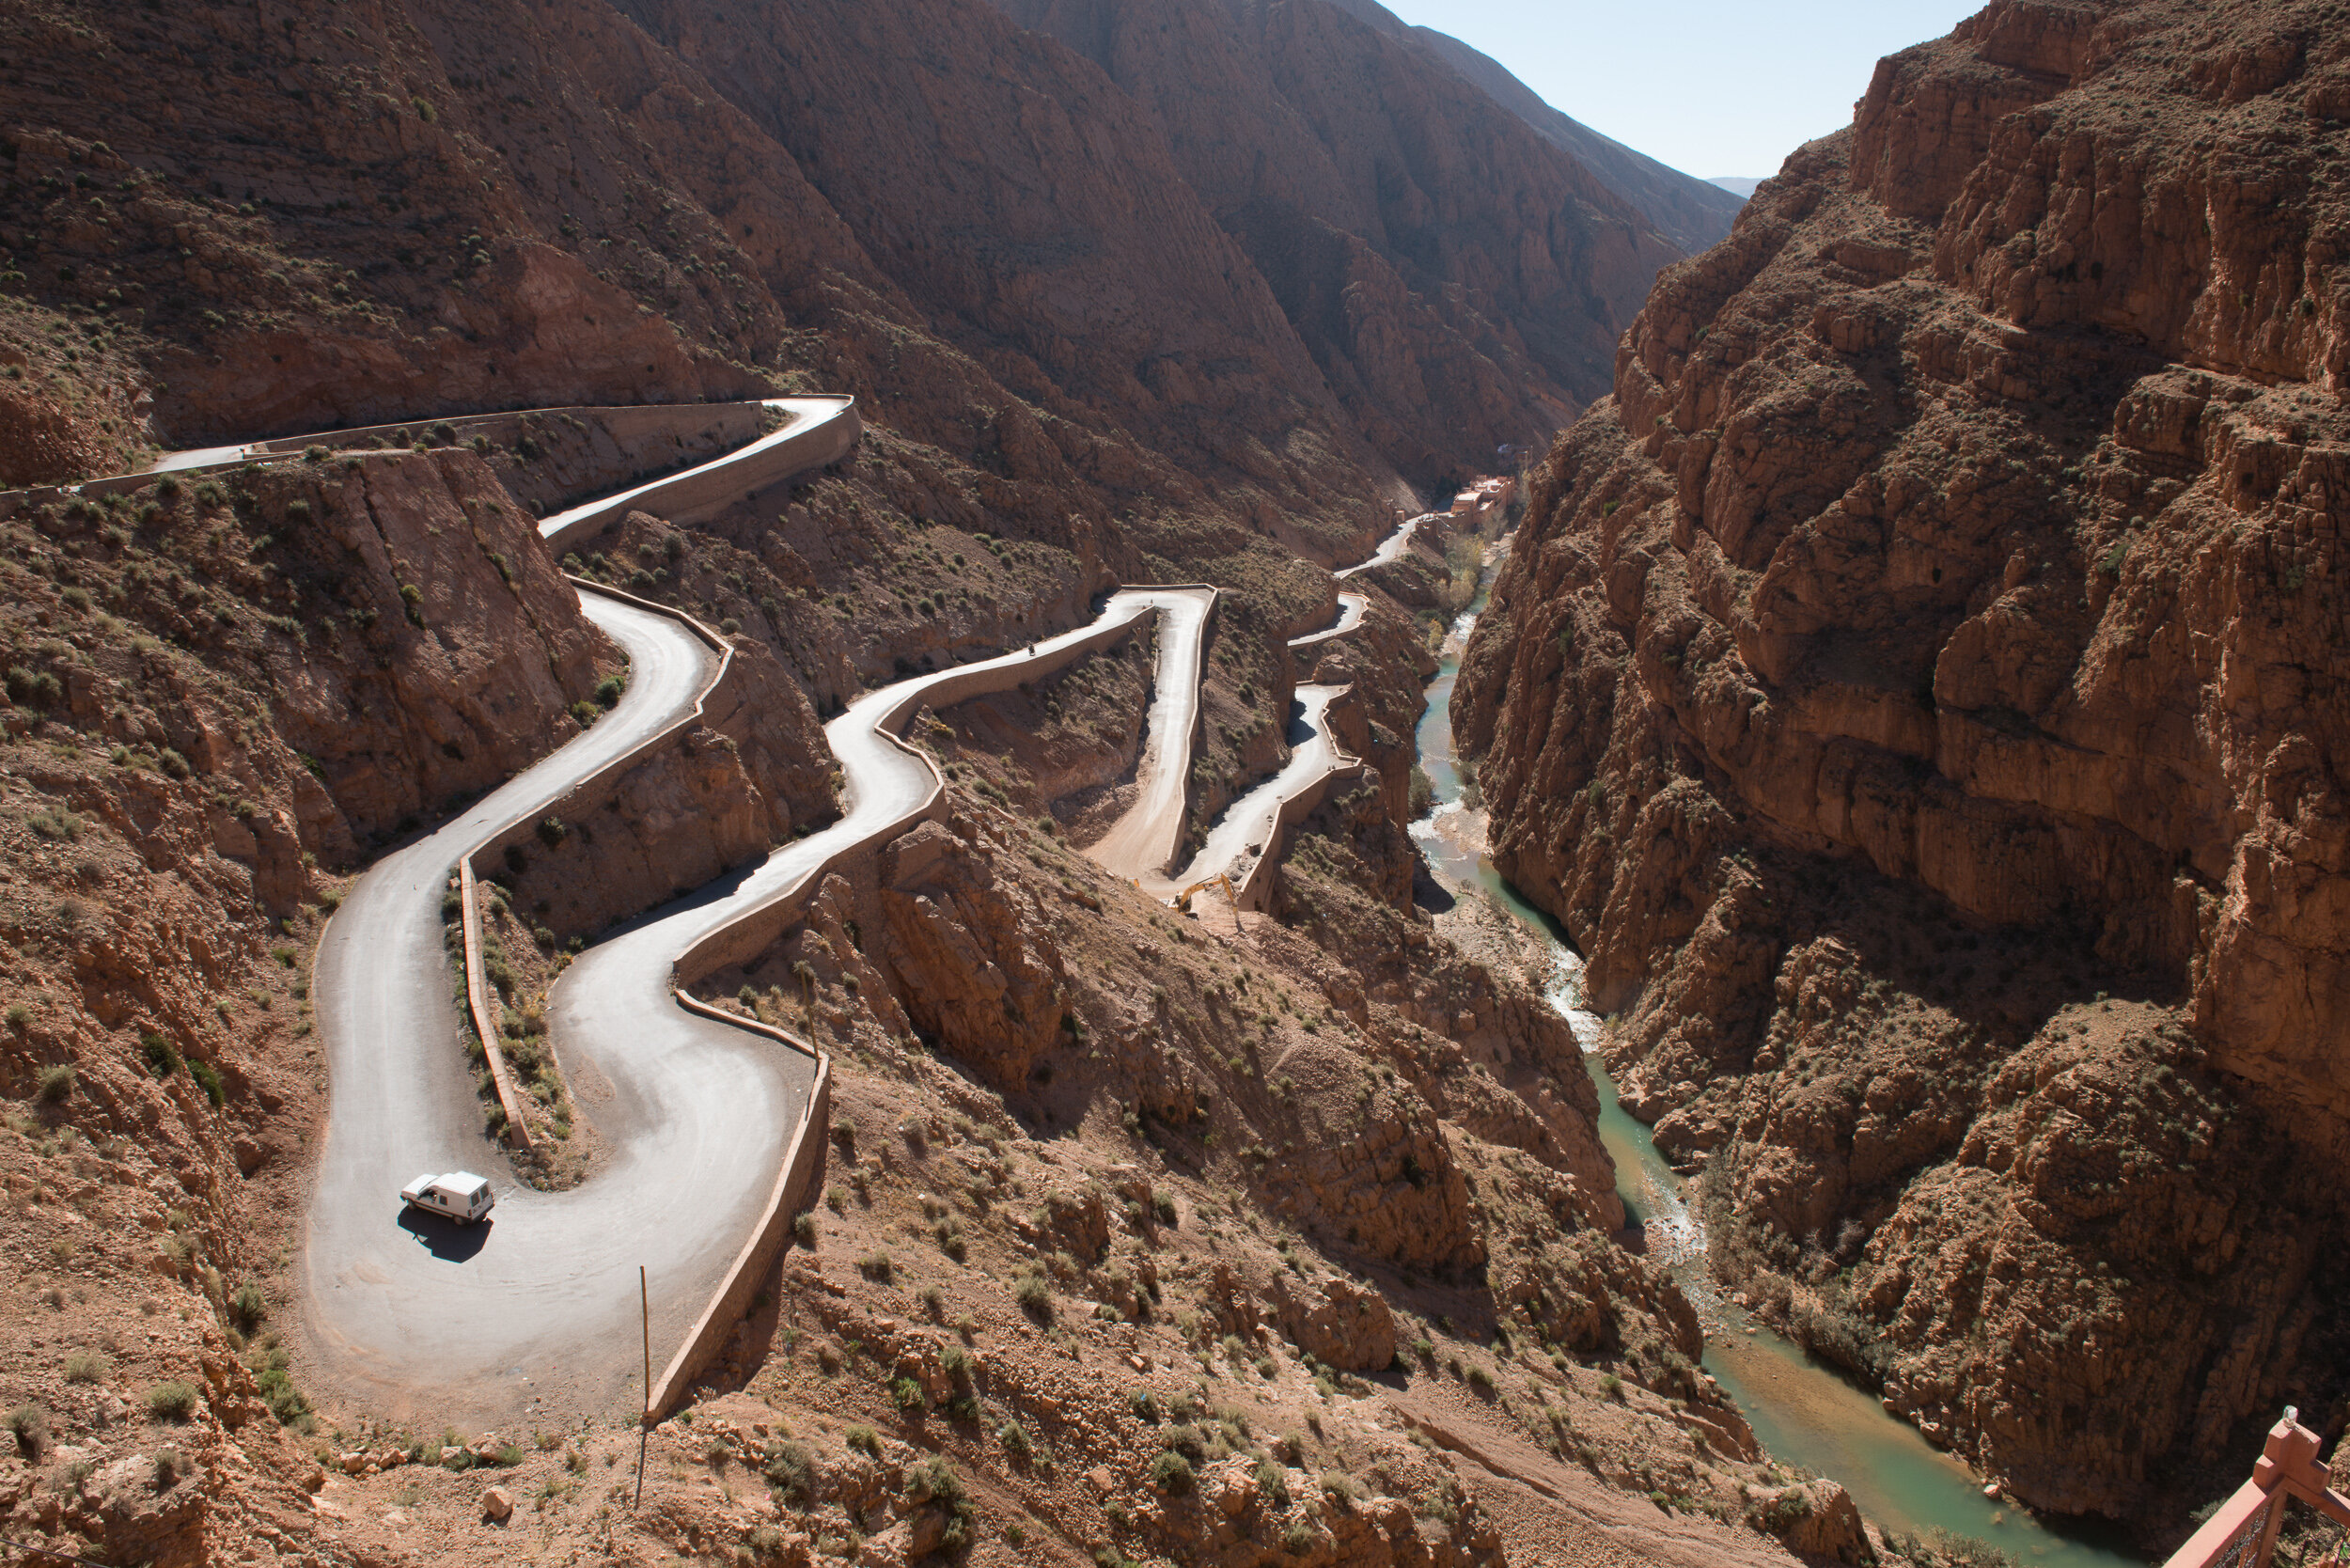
[973, 959]
[1940, 628]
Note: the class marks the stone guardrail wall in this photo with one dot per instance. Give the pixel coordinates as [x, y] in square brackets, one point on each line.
[749, 933]
[1256, 889]
[486, 1018]
[789, 1193]
[1315, 639]
[744, 938]
[624, 421]
[794, 1190]
[711, 487]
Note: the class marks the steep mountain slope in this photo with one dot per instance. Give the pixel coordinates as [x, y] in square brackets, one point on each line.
[1459, 281]
[1920, 690]
[1692, 213]
[414, 209]
[1147, 1182]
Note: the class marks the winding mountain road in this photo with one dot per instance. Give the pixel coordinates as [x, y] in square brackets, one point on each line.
[446, 1322]
[535, 1310]
[539, 1304]
[1143, 841]
[1247, 829]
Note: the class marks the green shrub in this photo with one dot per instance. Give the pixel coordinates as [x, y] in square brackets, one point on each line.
[1171, 1473]
[790, 1469]
[246, 1308]
[1033, 1293]
[609, 690]
[863, 1439]
[207, 1079]
[29, 1425]
[1340, 1487]
[935, 1483]
[163, 1058]
[34, 689]
[56, 825]
[85, 1366]
[278, 1393]
[56, 1082]
[172, 1401]
[877, 1267]
[1015, 1440]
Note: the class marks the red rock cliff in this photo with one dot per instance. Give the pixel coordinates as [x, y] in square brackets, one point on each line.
[1931, 653]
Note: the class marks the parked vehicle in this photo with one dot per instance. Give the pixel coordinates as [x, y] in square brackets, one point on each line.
[460, 1196]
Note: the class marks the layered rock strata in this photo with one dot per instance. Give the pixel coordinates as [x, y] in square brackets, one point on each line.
[1938, 637]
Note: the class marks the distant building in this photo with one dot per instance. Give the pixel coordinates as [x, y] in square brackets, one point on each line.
[1477, 503]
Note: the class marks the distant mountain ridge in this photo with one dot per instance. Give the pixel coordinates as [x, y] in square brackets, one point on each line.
[1461, 280]
[1739, 185]
[1693, 213]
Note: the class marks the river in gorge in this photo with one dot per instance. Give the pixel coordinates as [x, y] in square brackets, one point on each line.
[1804, 1412]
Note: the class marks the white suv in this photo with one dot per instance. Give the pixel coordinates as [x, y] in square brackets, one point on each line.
[460, 1196]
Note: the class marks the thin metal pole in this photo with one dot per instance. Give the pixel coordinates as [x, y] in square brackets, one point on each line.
[644, 1423]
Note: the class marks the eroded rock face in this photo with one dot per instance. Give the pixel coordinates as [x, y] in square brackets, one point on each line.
[1942, 626]
[972, 957]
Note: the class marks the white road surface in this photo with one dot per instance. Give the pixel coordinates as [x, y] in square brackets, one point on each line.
[1245, 829]
[1141, 842]
[446, 1322]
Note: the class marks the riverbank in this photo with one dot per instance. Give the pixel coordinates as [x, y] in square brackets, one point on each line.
[1803, 1412]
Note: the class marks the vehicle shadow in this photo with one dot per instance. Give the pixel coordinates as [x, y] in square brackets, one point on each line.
[445, 1239]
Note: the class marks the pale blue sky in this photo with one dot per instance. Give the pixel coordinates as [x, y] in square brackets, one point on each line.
[1710, 86]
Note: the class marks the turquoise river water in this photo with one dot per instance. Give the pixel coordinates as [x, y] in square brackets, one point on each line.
[1804, 1412]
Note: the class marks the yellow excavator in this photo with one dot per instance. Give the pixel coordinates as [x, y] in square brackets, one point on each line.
[1182, 900]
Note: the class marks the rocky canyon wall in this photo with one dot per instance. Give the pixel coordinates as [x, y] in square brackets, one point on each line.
[1459, 280]
[1919, 688]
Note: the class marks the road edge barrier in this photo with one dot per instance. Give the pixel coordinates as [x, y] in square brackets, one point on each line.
[614, 417]
[486, 1019]
[770, 1233]
[1256, 886]
[749, 933]
[709, 488]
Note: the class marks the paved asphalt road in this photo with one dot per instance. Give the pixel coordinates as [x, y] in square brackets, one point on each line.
[458, 1324]
[1247, 824]
[537, 1309]
[1141, 842]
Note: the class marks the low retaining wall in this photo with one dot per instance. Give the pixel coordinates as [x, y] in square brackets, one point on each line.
[792, 1191]
[625, 421]
[744, 939]
[486, 1018]
[1256, 889]
[596, 788]
[711, 487]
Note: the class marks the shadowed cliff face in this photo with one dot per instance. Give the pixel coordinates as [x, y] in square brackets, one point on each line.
[1931, 663]
[420, 209]
[1459, 280]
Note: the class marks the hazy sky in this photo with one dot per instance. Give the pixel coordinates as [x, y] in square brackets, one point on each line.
[1710, 86]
